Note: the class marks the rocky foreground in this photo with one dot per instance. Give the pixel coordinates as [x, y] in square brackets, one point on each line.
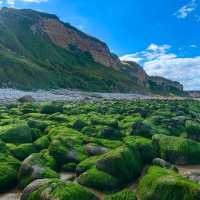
[106, 150]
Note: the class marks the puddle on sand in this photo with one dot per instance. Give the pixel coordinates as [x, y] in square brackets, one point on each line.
[12, 195]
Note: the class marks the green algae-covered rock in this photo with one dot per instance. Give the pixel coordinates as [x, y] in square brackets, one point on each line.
[8, 172]
[16, 133]
[122, 195]
[123, 163]
[3, 147]
[22, 151]
[42, 142]
[140, 128]
[177, 150]
[143, 145]
[160, 183]
[55, 189]
[51, 108]
[193, 130]
[39, 124]
[37, 166]
[94, 178]
[67, 146]
[87, 164]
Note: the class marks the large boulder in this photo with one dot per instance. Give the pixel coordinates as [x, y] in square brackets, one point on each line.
[177, 150]
[16, 133]
[22, 151]
[193, 130]
[102, 181]
[164, 164]
[140, 128]
[37, 166]
[26, 99]
[94, 149]
[160, 183]
[123, 163]
[9, 167]
[55, 189]
[67, 146]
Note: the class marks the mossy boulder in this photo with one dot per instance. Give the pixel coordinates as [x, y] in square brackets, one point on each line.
[37, 166]
[123, 163]
[94, 178]
[79, 124]
[193, 130]
[69, 167]
[42, 143]
[39, 124]
[140, 128]
[9, 167]
[3, 147]
[22, 151]
[122, 195]
[51, 108]
[87, 164]
[177, 150]
[17, 134]
[160, 183]
[93, 149]
[164, 164]
[67, 146]
[143, 145]
[110, 133]
[56, 189]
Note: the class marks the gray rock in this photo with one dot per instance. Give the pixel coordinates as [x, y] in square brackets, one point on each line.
[26, 99]
[93, 149]
[164, 164]
[32, 187]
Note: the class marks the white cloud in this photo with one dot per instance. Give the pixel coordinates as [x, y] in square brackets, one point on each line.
[12, 2]
[34, 1]
[131, 57]
[184, 11]
[159, 61]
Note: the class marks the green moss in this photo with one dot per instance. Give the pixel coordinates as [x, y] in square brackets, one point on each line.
[123, 163]
[123, 195]
[56, 189]
[140, 128]
[69, 167]
[41, 125]
[99, 180]
[177, 150]
[22, 151]
[67, 146]
[17, 134]
[193, 130]
[3, 147]
[143, 145]
[51, 108]
[37, 166]
[160, 183]
[42, 143]
[8, 172]
[87, 163]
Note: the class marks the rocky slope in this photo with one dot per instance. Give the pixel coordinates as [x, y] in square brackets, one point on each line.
[38, 51]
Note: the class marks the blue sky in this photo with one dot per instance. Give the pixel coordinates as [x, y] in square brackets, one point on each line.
[162, 35]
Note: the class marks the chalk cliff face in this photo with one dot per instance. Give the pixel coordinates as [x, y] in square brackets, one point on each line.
[38, 51]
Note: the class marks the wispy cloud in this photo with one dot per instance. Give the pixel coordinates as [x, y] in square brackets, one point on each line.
[12, 3]
[185, 10]
[157, 60]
